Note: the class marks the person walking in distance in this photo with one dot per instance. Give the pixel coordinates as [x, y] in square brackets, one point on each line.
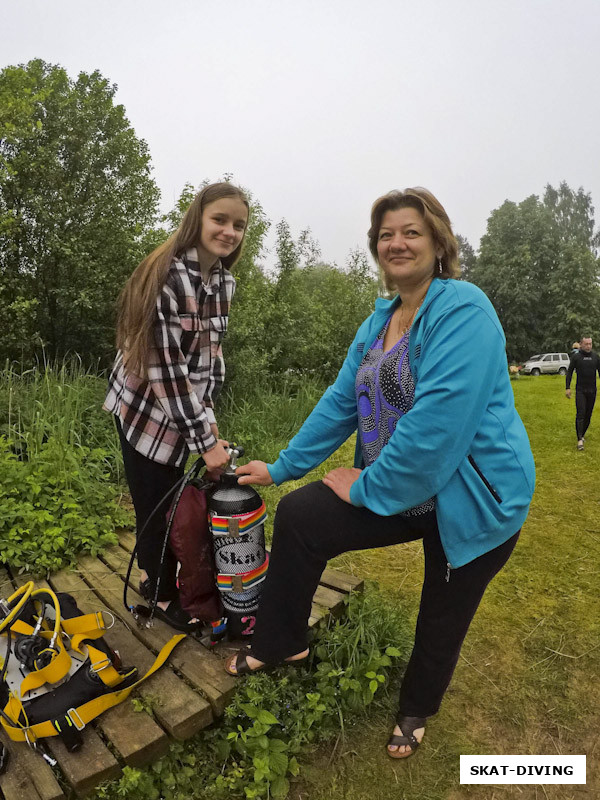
[586, 363]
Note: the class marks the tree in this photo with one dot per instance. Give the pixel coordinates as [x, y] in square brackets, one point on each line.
[357, 263]
[466, 258]
[572, 214]
[324, 306]
[287, 250]
[247, 346]
[308, 249]
[537, 265]
[574, 309]
[76, 198]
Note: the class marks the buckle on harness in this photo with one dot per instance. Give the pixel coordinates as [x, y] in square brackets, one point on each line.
[98, 666]
[73, 715]
[109, 614]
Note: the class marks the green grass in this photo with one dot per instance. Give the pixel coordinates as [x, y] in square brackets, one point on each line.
[528, 680]
[62, 400]
[59, 460]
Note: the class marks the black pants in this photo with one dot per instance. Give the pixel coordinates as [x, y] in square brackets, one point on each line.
[148, 481]
[313, 525]
[584, 404]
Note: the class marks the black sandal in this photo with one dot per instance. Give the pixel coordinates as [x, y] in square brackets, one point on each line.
[175, 616]
[408, 725]
[240, 662]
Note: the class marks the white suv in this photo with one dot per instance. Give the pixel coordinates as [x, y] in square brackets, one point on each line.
[546, 362]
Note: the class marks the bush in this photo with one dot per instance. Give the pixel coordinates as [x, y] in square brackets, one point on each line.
[55, 505]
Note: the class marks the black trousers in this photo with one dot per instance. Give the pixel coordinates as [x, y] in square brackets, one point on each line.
[313, 525]
[148, 482]
[584, 405]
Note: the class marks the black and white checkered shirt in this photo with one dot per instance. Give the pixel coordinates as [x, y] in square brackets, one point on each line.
[169, 414]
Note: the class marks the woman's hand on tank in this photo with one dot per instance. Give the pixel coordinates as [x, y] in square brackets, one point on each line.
[217, 456]
[254, 472]
[340, 481]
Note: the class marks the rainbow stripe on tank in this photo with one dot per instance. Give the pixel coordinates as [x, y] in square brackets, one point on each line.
[225, 583]
[220, 525]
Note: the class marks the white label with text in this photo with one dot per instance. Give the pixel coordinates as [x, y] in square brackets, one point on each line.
[522, 769]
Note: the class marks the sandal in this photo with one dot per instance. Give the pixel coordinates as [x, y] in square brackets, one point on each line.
[241, 667]
[175, 616]
[407, 725]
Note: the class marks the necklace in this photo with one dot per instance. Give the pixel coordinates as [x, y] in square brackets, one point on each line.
[402, 327]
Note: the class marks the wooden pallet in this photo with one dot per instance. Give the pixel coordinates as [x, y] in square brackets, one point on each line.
[188, 693]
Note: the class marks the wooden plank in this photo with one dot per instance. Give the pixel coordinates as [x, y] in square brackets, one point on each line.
[316, 614]
[341, 581]
[118, 561]
[93, 763]
[85, 768]
[203, 669]
[16, 783]
[179, 710]
[330, 599]
[127, 540]
[24, 760]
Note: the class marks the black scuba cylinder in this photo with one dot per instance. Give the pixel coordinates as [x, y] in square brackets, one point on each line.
[237, 515]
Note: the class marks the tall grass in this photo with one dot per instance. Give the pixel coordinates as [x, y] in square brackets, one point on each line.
[62, 401]
[59, 460]
[264, 421]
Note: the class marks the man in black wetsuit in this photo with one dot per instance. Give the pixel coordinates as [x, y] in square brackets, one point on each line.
[586, 363]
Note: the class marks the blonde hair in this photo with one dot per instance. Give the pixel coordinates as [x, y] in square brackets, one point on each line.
[433, 214]
[137, 301]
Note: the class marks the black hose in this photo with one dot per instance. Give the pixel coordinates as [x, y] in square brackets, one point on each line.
[177, 487]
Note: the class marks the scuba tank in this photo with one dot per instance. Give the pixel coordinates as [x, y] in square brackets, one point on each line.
[237, 516]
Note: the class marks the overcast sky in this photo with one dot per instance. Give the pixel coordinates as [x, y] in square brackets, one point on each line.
[318, 107]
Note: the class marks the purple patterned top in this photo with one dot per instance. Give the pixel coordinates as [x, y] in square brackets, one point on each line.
[385, 391]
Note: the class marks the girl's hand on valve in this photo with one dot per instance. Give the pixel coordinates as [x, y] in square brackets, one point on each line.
[217, 456]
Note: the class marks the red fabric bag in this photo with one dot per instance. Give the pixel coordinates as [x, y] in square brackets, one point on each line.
[191, 542]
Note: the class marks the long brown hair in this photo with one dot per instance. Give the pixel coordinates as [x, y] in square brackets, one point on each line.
[434, 216]
[137, 301]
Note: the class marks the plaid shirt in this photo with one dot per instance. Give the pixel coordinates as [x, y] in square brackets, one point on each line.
[170, 414]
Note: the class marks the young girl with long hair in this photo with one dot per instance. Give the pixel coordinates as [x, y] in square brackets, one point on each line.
[169, 369]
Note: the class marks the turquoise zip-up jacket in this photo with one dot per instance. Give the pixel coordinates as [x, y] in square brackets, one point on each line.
[462, 442]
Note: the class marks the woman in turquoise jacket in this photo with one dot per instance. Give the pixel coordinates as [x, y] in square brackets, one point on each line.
[441, 456]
